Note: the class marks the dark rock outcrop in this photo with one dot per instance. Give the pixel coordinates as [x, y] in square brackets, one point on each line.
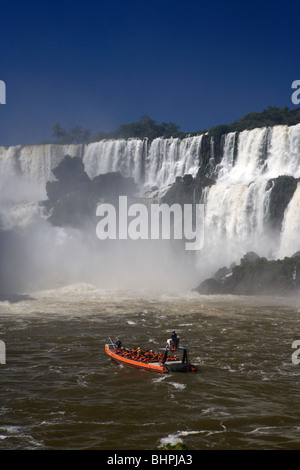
[73, 198]
[256, 276]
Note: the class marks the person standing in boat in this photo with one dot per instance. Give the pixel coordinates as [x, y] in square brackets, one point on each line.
[174, 340]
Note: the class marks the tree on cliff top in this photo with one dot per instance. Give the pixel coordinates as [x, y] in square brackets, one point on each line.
[145, 127]
[76, 135]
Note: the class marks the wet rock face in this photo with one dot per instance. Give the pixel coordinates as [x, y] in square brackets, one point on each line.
[255, 276]
[209, 286]
[73, 198]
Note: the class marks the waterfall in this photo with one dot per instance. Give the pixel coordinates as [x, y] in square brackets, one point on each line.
[284, 152]
[124, 156]
[157, 164]
[24, 171]
[290, 233]
[248, 164]
[228, 155]
[165, 160]
[169, 158]
[35, 254]
[237, 206]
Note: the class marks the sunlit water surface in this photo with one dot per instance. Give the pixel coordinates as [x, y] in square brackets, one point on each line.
[60, 391]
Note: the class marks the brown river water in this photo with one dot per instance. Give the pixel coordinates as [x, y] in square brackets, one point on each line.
[60, 391]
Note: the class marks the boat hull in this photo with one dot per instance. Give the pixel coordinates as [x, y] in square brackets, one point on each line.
[155, 366]
[152, 367]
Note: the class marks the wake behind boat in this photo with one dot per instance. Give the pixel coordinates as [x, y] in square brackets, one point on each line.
[172, 358]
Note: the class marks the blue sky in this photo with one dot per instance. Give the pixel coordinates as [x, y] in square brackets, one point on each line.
[103, 63]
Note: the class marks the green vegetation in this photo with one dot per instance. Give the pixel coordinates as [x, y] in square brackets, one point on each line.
[76, 135]
[177, 446]
[272, 116]
[183, 189]
[257, 276]
[144, 128]
[264, 276]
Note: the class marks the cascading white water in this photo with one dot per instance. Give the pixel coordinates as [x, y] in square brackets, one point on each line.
[227, 161]
[169, 158]
[248, 165]
[236, 207]
[165, 160]
[264, 152]
[284, 152]
[24, 172]
[124, 156]
[30, 168]
[290, 234]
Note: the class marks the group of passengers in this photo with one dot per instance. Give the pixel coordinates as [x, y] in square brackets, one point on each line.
[138, 354]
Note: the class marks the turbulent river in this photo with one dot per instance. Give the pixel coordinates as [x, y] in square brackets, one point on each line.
[60, 391]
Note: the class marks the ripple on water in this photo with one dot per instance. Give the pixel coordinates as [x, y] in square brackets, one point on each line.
[61, 390]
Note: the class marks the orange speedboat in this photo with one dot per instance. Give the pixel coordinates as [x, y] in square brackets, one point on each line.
[165, 361]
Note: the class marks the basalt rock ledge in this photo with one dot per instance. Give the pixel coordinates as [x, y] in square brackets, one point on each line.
[255, 276]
